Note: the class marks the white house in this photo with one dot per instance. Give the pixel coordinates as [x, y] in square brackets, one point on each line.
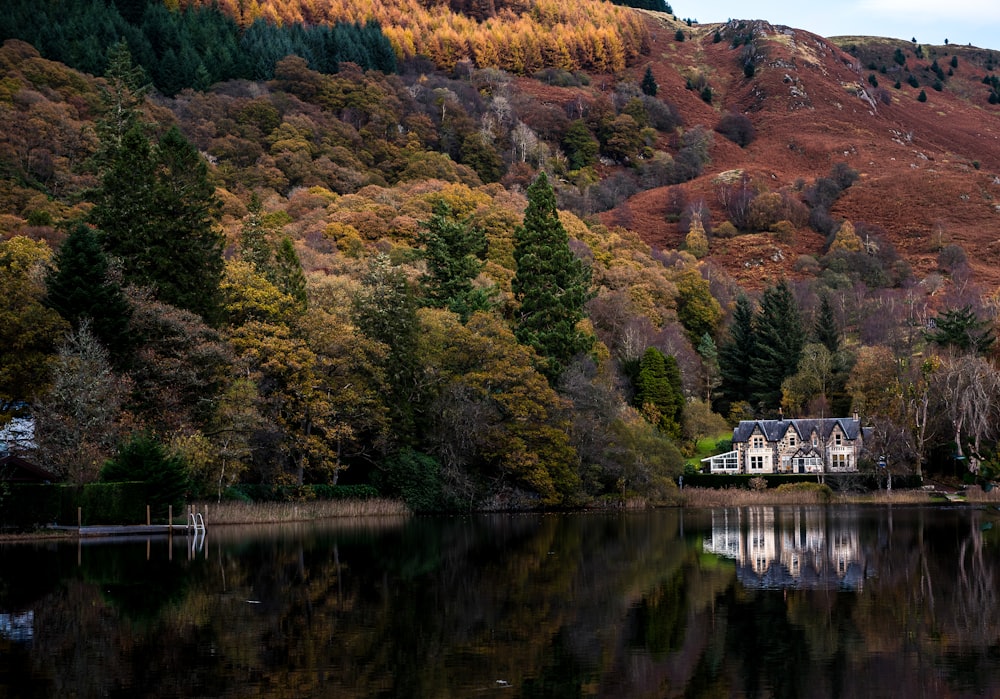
[825, 445]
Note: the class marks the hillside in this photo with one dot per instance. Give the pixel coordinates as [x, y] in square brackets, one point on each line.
[319, 244]
[928, 170]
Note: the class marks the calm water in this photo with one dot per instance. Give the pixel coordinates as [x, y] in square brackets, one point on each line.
[757, 602]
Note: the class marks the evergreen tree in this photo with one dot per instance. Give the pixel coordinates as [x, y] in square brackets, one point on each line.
[155, 207]
[550, 284]
[144, 459]
[658, 391]
[780, 338]
[287, 273]
[648, 84]
[185, 254]
[453, 251]
[580, 145]
[253, 244]
[711, 374]
[736, 355]
[825, 330]
[959, 328]
[79, 289]
[385, 310]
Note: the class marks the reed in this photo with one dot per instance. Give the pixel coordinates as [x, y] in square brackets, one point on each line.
[737, 497]
[977, 494]
[297, 511]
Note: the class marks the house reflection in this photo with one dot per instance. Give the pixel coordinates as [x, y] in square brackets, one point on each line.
[777, 548]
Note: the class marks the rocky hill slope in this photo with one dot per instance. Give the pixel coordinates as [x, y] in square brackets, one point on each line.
[928, 169]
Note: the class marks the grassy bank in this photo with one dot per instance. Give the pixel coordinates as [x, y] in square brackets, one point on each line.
[736, 497]
[298, 511]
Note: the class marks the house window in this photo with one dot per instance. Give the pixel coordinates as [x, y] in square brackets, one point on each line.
[791, 440]
[756, 463]
[840, 461]
[757, 442]
[837, 439]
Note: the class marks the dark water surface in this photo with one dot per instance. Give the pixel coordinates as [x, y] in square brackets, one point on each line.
[754, 602]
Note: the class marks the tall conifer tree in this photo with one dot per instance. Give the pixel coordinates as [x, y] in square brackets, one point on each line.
[155, 207]
[737, 353]
[551, 284]
[79, 289]
[780, 338]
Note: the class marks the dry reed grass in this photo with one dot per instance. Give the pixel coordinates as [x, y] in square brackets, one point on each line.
[977, 494]
[737, 497]
[300, 511]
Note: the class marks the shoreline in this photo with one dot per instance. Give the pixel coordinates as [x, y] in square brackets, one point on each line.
[236, 514]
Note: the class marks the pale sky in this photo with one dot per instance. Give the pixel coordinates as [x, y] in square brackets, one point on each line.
[930, 22]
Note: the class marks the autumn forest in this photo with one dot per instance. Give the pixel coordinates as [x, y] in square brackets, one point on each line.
[404, 244]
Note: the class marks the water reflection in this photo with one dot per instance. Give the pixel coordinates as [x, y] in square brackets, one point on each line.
[761, 602]
[801, 547]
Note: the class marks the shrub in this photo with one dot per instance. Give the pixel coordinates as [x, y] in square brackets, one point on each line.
[784, 231]
[726, 230]
[758, 483]
[737, 128]
[922, 97]
[414, 477]
[822, 490]
[143, 459]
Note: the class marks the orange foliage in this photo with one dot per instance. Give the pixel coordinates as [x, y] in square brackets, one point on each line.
[520, 36]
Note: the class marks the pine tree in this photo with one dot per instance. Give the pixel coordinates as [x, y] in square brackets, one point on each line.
[825, 330]
[253, 243]
[453, 251]
[959, 328]
[550, 284]
[711, 375]
[185, 254]
[287, 273]
[658, 391]
[780, 338]
[79, 289]
[648, 84]
[736, 355]
[155, 207]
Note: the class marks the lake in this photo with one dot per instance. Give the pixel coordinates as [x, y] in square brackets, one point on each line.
[749, 602]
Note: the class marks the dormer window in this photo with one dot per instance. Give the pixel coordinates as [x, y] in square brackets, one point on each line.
[757, 442]
[838, 439]
[791, 440]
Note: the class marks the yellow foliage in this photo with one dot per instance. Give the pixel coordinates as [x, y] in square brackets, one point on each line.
[846, 239]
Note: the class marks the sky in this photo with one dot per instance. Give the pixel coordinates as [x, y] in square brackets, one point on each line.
[975, 22]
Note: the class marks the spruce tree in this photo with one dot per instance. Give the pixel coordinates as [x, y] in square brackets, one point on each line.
[453, 251]
[825, 330]
[658, 391]
[780, 338]
[188, 265]
[550, 284]
[78, 288]
[648, 84]
[960, 329]
[155, 207]
[287, 273]
[253, 243]
[737, 353]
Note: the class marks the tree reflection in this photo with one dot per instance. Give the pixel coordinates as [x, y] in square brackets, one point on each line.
[637, 605]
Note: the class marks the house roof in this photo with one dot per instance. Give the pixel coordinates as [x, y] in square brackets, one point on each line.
[774, 430]
[14, 469]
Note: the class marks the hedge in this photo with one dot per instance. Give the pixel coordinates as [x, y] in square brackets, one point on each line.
[837, 481]
[26, 506]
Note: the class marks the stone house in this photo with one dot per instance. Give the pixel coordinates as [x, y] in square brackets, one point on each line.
[823, 445]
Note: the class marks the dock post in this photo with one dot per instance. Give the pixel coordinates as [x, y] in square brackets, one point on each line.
[147, 515]
[79, 518]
